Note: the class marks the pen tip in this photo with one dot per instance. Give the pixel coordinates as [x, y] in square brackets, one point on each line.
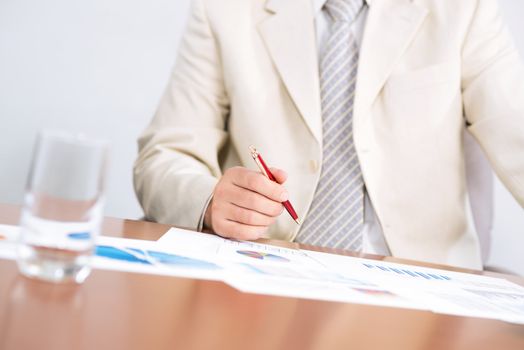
[254, 152]
[297, 221]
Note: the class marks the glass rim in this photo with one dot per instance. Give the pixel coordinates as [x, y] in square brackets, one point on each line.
[72, 138]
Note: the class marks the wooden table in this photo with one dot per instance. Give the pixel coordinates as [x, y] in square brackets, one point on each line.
[115, 310]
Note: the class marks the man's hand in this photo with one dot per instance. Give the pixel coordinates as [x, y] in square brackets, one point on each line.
[245, 203]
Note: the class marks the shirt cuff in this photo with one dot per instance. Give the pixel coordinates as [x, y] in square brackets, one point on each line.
[201, 221]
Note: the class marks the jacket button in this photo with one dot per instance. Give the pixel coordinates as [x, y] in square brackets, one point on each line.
[313, 165]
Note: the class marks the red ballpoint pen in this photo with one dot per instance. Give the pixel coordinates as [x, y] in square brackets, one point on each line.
[265, 170]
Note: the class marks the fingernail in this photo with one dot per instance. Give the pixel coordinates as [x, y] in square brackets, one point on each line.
[284, 197]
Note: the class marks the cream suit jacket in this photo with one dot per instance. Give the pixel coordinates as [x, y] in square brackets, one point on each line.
[247, 74]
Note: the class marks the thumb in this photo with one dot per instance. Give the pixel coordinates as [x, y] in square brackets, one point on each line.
[279, 174]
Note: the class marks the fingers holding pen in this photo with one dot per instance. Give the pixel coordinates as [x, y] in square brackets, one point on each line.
[257, 182]
[241, 197]
[245, 203]
[279, 174]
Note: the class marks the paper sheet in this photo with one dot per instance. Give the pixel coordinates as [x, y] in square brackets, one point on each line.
[441, 291]
[8, 239]
[259, 268]
[149, 257]
[264, 269]
[191, 243]
[129, 255]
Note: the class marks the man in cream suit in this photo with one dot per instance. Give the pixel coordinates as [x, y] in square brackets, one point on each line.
[374, 156]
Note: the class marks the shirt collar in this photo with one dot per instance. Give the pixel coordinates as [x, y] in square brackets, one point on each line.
[319, 4]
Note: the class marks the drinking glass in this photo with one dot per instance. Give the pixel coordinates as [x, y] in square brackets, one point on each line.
[63, 207]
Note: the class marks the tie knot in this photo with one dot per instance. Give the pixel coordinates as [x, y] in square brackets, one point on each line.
[344, 10]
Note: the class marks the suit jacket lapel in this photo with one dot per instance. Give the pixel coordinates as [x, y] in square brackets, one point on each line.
[289, 35]
[390, 28]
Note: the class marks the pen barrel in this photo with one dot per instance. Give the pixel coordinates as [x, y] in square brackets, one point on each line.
[266, 169]
[290, 209]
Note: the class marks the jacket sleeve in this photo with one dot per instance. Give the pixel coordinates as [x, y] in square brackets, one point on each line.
[493, 94]
[177, 166]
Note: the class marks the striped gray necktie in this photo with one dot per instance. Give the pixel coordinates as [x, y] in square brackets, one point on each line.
[335, 218]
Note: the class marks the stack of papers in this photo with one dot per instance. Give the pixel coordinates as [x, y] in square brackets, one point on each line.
[265, 269]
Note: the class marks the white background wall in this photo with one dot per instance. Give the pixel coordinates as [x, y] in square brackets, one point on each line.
[99, 67]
